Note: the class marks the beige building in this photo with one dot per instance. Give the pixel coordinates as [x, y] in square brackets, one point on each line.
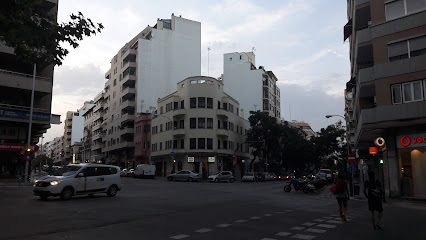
[386, 95]
[306, 128]
[199, 126]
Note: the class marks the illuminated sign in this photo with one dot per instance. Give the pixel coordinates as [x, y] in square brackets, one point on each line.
[190, 159]
[373, 150]
[379, 142]
[413, 140]
[211, 159]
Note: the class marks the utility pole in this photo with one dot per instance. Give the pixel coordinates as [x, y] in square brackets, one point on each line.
[30, 124]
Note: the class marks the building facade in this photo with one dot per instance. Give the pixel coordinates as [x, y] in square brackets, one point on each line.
[148, 66]
[260, 86]
[142, 139]
[306, 128]
[16, 81]
[385, 96]
[199, 128]
[89, 119]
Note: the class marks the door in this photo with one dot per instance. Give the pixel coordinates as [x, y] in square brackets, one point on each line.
[90, 175]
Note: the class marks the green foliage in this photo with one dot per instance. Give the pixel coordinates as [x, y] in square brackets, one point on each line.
[29, 27]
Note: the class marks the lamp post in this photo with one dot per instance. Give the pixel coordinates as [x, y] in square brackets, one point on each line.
[347, 145]
[41, 156]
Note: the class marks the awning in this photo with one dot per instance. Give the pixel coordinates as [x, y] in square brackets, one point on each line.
[347, 30]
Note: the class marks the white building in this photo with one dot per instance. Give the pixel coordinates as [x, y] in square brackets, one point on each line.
[255, 88]
[148, 66]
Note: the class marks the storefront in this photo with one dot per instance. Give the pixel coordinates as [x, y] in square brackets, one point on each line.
[412, 164]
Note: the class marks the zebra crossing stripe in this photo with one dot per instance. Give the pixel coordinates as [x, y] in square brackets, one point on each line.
[283, 234]
[314, 230]
[326, 225]
[181, 236]
[302, 236]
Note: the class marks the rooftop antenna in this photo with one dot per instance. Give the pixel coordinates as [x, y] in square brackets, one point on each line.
[208, 61]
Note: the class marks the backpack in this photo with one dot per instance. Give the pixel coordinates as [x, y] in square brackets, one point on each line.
[333, 189]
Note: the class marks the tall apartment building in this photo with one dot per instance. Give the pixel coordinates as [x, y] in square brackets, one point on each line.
[73, 129]
[199, 126]
[16, 80]
[146, 67]
[385, 96]
[89, 122]
[57, 153]
[260, 90]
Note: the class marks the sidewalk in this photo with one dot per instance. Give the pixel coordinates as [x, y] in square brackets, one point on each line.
[20, 181]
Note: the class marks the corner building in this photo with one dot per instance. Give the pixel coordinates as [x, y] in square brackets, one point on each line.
[386, 95]
[199, 127]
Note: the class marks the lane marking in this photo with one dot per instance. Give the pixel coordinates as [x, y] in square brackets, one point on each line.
[267, 215]
[308, 224]
[298, 228]
[302, 236]
[289, 210]
[203, 230]
[223, 225]
[334, 221]
[319, 220]
[181, 236]
[283, 234]
[268, 239]
[241, 221]
[326, 225]
[255, 218]
[314, 230]
[328, 217]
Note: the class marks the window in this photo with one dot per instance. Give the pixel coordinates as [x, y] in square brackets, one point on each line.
[182, 104]
[192, 143]
[161, 127]
[209, 143]
[407, 48]
[209, 102]
[396, 94]
[193, 102]
[174, 143]
[181, 124]
[201, 123]
[417, 46]
[225, 125]
[182, 144]
[412, 91]
[175, 105]
[218, 144]
[210, 123]
[225, 144]
[225, 106]
[193, 123]
[175, 124]
[398, 51]
[231, 108]
[115, 82]
[201, 143]
[201, 102]
[161, 145]
[218, 104]
[218, 124]
[397, 9]
[161, 110]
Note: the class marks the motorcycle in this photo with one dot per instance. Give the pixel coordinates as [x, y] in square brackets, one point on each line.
[305, 186]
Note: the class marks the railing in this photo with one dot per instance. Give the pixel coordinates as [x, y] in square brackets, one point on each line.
[23, 74]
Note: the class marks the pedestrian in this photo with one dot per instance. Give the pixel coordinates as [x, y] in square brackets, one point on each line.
[373, 192]
[342, 194]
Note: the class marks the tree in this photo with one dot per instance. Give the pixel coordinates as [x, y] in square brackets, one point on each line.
[330, 145]
[29, 27]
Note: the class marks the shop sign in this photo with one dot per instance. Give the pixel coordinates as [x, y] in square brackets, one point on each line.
[24, 115]
[211, 160]
[16, 147]
[373, 150]
[411, 140]
[190, 159]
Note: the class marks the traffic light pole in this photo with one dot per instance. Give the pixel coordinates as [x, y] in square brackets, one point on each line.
[30, 124]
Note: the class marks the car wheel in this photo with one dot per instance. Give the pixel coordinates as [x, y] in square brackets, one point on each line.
[67, 193]
[112, 191]
[231, 180]
[216, 180]
[287, 188]
[190, 179]
[170, 178]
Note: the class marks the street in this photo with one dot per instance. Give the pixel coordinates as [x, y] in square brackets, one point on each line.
[158, 209]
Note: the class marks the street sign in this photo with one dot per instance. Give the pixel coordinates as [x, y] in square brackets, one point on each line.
[28, 157]
[211, 159]
[351, 158]
[351, 167]
[172, 154]
[190, 159]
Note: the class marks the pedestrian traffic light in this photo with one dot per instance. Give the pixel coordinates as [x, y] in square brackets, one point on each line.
[174, 160]
[29, 149]
[381, 161]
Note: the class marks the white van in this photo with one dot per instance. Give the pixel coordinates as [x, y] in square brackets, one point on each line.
[79, 179]
[144, 171]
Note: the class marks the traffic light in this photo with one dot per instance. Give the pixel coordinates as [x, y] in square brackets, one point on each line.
[174, 160]
[29, 149]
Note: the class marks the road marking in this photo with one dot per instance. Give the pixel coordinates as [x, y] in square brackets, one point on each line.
[203, 230]
[298, 228]
[283, 234]
[181, 236]
[314, 230]
[326, 225]
[289, 210]
[223, 225]
[319, 220]
[255, 218]
[309, 224]
[241, 221]
[279, 212]
[268, 239]
[336, 222]
[267, 215]
[302, 236]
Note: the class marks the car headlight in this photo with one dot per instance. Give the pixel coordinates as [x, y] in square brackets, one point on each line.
[36, 181]
[53, 183]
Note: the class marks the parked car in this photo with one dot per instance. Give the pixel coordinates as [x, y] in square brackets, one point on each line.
[184, 175]
[272, 176]
[79, 179]
[223, 176]
[129, 173]
[326, 174]
[123, 172]
[144, 171]
[248, 177]
[259, 177]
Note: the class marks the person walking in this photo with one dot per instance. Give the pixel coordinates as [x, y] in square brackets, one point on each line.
[373, 192]
[342, 194]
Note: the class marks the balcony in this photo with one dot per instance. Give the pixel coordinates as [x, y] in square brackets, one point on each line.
[222, 113]
[98, 136]
[222, 132]
[128, 105]
[127, 117]
[98, 107]
[97, 146]
[24, 81]
[96, 127]
[127, 131]
[129, 93]
[179, 112]
[129, 64]
[129, 80]
[179, 132]
[129, 54]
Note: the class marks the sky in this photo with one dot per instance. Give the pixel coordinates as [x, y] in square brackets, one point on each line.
[301, 41]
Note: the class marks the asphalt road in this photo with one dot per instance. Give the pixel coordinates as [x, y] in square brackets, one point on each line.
[158, 209]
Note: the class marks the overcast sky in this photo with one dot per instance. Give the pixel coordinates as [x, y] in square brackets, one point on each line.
[301, 41]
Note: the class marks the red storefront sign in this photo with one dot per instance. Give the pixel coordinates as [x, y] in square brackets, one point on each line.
[16, 147]
[373, 150]
[407, 141]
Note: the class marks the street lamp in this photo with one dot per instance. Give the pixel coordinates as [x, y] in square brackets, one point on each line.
[347, 143]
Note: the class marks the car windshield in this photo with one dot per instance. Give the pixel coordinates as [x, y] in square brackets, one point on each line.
[66, 171]
[325, 171]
